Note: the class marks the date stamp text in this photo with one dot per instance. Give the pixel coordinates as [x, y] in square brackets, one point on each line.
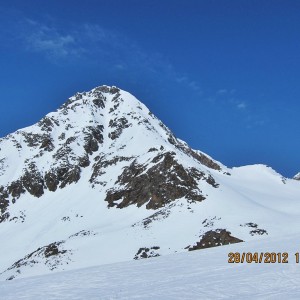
[261, 257]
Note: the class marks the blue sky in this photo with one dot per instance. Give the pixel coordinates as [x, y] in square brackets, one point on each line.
[223, 75]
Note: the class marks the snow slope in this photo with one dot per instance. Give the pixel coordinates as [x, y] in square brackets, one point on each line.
[102, 180]
[297, 176]
[204, 274]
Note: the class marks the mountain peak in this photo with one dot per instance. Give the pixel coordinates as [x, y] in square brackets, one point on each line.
[94, 131]
[297, 176]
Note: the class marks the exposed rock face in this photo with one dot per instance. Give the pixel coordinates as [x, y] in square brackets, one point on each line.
[51, 181]
[102, 163]
[165, 181]
[93, 137]
[16, 188]
[203, 159]
[53, 249]
[118, 126]
[146, 252]
[68, 175]
[4, 203]
[35, 140]
[215, 238]
[32, 181]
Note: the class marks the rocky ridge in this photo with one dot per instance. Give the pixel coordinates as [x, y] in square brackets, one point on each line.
[53, 153]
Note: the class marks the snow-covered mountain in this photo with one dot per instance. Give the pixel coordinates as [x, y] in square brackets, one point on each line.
[297, 176]
[102, 180]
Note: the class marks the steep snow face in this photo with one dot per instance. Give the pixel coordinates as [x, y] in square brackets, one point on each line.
[102, 180]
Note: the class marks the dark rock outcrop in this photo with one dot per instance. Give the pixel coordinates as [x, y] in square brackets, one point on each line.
[32, 181]
[147, 252]
[118, 124]
[203, 159]
[51, 181]
[215, 238]
[47, 124]
[84, 161]
[258, 231]
[162, 183]
[47, 144]
[255, 230]
[62, 176]
[16, 188]
[93, 137]
[52, 255]
[4, 215]
[102, 163]
[68, 174]
[52, 249]
[91, 144]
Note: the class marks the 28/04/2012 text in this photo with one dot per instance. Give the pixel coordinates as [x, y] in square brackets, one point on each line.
[262, 257]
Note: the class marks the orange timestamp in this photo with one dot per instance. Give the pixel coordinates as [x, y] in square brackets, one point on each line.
[261, 257]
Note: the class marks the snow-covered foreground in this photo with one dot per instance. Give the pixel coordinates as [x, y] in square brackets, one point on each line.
[203, 274]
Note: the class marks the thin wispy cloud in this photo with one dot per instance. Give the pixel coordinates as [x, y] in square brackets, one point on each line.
[185, 80]
[95, 45]
[241, 105]
[228, 97]
[194, 85]
[47, 40]
[228, 100]
[53, 43]
[225, 97]
[238, 104]
[222, 92]
[253, 121]
[120, 66]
